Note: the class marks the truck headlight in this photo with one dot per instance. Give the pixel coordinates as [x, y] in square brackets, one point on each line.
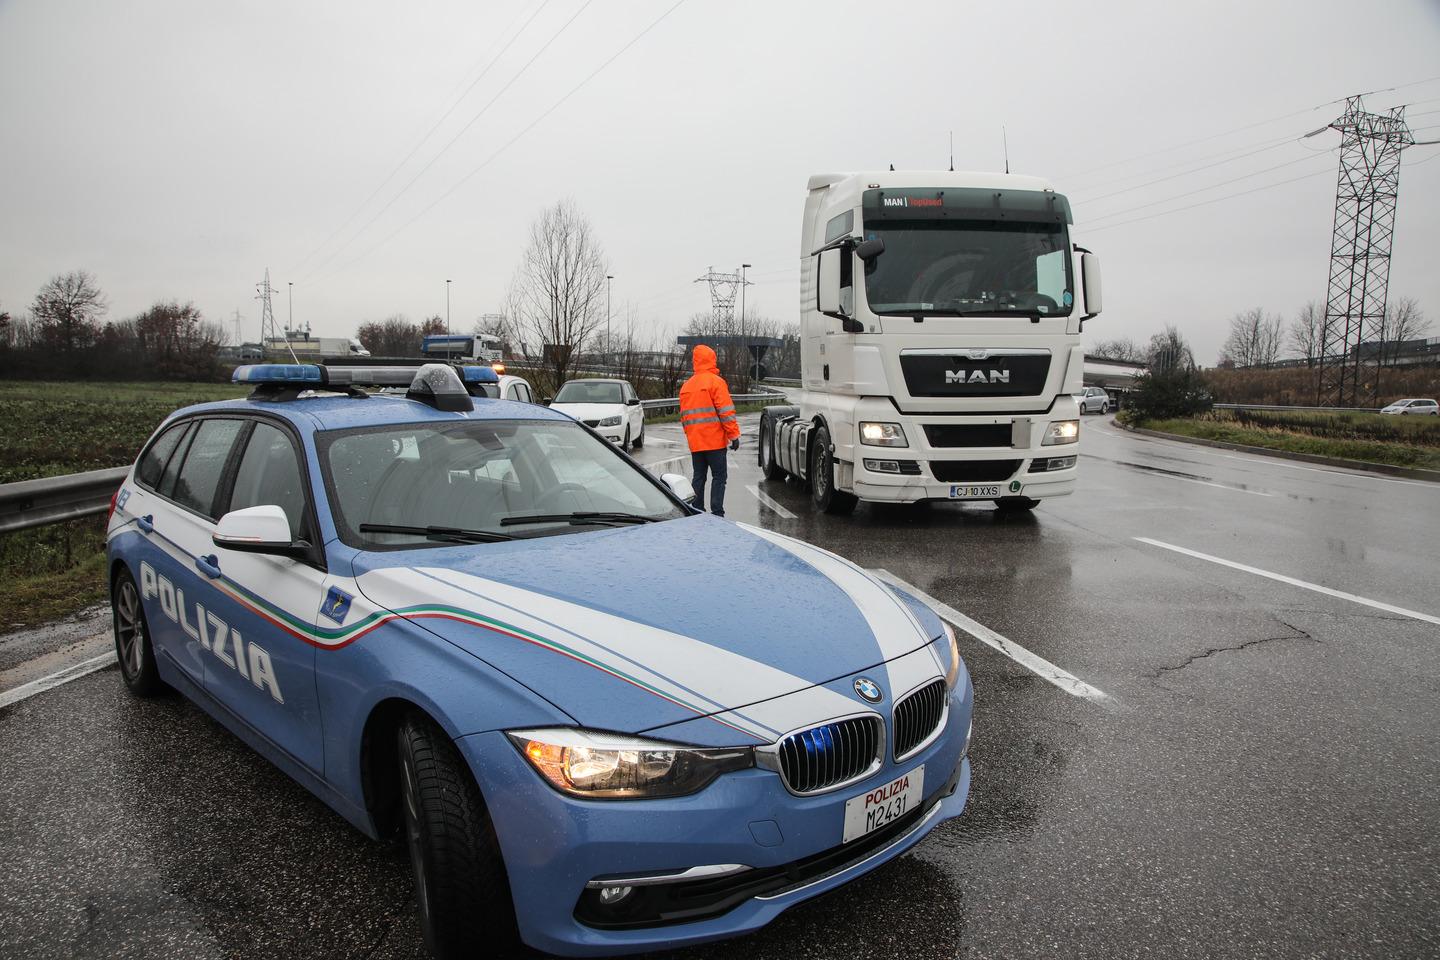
[882, 434]
[1062, 431]
[594, 765]
[610, 422]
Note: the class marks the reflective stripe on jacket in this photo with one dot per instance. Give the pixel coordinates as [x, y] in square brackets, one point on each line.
[706, 411]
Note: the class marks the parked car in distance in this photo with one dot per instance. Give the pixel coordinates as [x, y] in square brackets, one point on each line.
[610, 407]
[1413, 407]
[1093, 400]
[516, 388]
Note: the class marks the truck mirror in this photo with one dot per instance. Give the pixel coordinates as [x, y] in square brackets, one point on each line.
[1090, 277]
[868, 250]
[827, 282]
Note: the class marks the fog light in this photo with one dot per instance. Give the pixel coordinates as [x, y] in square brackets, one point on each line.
[610, 896]
[882, 466]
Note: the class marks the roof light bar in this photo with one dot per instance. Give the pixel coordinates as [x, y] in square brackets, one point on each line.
[441, 385]
[283, 373]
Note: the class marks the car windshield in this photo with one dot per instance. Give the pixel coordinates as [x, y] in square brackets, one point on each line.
[425, 484]
[589, 391]
[969, 267]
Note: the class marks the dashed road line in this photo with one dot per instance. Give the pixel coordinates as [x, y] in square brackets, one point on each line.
[765, 500]
[1294, 582]
[1035, 663]
[74, 672]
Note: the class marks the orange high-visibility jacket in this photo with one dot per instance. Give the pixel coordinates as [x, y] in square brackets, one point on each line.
[706, 411]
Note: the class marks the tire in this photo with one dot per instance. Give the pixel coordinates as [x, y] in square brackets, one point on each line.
[625, 444]
[822, 478]
[1104, 408]
[133, 647]
[769, 469]
[640, 440]
[461, 889]
[1016, 504]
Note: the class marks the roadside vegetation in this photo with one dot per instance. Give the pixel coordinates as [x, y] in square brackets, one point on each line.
[54, 428]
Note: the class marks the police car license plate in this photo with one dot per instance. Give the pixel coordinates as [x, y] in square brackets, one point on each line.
[884, 804]
[970, 491]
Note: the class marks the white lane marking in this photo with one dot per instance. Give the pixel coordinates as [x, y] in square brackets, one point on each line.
[75, 672]
[1333, 473]
[1304, 584]
[767, 501]
[1036, 664]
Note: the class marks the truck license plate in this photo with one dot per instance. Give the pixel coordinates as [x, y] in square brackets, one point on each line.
[970, 491]
[885, 804]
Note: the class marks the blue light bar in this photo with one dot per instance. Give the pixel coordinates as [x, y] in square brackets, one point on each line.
[296, 373]
[479, 375]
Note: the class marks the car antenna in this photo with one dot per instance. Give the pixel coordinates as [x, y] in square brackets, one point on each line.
[1005, 144]
[892, 167]
[952, 151]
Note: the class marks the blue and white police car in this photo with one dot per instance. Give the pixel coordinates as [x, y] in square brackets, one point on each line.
[409, 602]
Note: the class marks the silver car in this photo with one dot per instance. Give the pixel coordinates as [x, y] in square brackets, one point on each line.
[1412, 407]
[1093, 400]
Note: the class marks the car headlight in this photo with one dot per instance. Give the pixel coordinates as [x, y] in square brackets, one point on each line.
[594, 765]
[1062, 431]
[610, 422]
[952, 676]
[882, 434]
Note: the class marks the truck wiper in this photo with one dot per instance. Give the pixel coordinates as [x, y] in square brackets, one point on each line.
[579, 516]
[450, 534]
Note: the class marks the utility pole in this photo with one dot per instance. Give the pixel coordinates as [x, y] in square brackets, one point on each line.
[722, 297]
[1366, 195]
[239, 331]
[608, 278]
[744, 344]
[447, 308]
[290, 321]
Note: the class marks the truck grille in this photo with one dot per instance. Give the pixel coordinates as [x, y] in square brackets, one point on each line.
[917, 717]
[999, 375]
[973, 471]
[968, 434]
[831, 754]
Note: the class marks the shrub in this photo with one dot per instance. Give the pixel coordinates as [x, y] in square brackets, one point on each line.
[1180, 392]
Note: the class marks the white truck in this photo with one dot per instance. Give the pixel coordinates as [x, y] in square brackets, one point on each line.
[299, 345]
[463, 346]
[940, 318]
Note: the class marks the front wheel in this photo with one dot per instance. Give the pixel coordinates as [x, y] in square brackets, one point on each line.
[1104, 408]
[133, 647]
[640, 440]
[460, 883]
[822, 478]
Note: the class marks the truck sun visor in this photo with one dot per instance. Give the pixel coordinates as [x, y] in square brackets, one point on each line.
[966, 203]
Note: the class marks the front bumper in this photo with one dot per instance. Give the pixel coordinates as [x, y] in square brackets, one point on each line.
[554, 844]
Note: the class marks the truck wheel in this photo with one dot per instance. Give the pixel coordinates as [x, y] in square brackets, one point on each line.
[1015, 504]
[768, 467]
[133, 647]
[460, 883]
[822, 478]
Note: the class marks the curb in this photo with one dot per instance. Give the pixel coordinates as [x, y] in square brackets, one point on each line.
[1409, 473]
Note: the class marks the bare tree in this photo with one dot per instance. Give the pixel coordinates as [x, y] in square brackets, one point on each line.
[67, 311]
[557, 296]
[1254, 339]
[1121, 348]
[1168, 352]
[1307, 333]
[1404, 320]
[395, 336]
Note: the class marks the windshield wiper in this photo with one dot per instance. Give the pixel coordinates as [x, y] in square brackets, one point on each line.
[450, 534]
[579, 516]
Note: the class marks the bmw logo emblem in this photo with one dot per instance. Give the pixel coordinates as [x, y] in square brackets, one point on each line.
[868, 689]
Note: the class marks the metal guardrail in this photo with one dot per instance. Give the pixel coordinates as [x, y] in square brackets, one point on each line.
[35, 503]
[739, 398]
[1273, 406]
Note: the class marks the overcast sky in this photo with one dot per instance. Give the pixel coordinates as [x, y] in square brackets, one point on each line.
[178, 149]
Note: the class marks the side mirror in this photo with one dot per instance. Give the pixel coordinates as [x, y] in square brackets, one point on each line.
[545, 401]
[827, 282]
[1090, 277]
[679, 485]
[868, 250]
[262, 529]
[633, 402]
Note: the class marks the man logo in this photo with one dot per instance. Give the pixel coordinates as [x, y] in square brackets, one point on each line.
[977, 376]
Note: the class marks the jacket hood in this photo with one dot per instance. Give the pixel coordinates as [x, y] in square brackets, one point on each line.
[632, 628]
[702, 359]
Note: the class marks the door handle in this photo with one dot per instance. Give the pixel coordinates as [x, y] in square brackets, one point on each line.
[209, 565]
[146, 523]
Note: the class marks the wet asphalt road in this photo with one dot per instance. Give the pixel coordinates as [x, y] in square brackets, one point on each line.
[1261, 779]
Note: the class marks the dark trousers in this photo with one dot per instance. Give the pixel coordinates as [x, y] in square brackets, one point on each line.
[712, 462]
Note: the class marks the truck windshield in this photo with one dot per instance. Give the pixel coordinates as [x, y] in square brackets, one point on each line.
[957, 268]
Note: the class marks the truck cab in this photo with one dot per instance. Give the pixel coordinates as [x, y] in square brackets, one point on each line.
[940, 319]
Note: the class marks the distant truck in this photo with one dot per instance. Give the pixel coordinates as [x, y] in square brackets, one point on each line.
[940, 318]
[305, 347]
[463, 346]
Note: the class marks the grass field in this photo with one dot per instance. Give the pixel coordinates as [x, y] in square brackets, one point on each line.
[57, 428]
[1398, 441]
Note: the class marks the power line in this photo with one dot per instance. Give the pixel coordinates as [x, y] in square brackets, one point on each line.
[1213, 186]
[1202, 203]
[526, 129]
[1184, 173]
[463, 130]
[428, 134]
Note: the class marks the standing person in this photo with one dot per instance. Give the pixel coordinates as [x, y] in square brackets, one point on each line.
[708, 415]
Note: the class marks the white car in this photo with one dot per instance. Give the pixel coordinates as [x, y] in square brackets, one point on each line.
[1093, 400]
[1413, 407]
[610, 407]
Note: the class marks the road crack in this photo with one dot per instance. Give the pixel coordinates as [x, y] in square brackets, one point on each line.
[1295, 634]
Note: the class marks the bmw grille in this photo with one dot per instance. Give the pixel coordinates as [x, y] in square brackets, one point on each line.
[831, 754]
[917, 716]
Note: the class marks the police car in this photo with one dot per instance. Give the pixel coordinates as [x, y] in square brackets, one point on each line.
[408, 601]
